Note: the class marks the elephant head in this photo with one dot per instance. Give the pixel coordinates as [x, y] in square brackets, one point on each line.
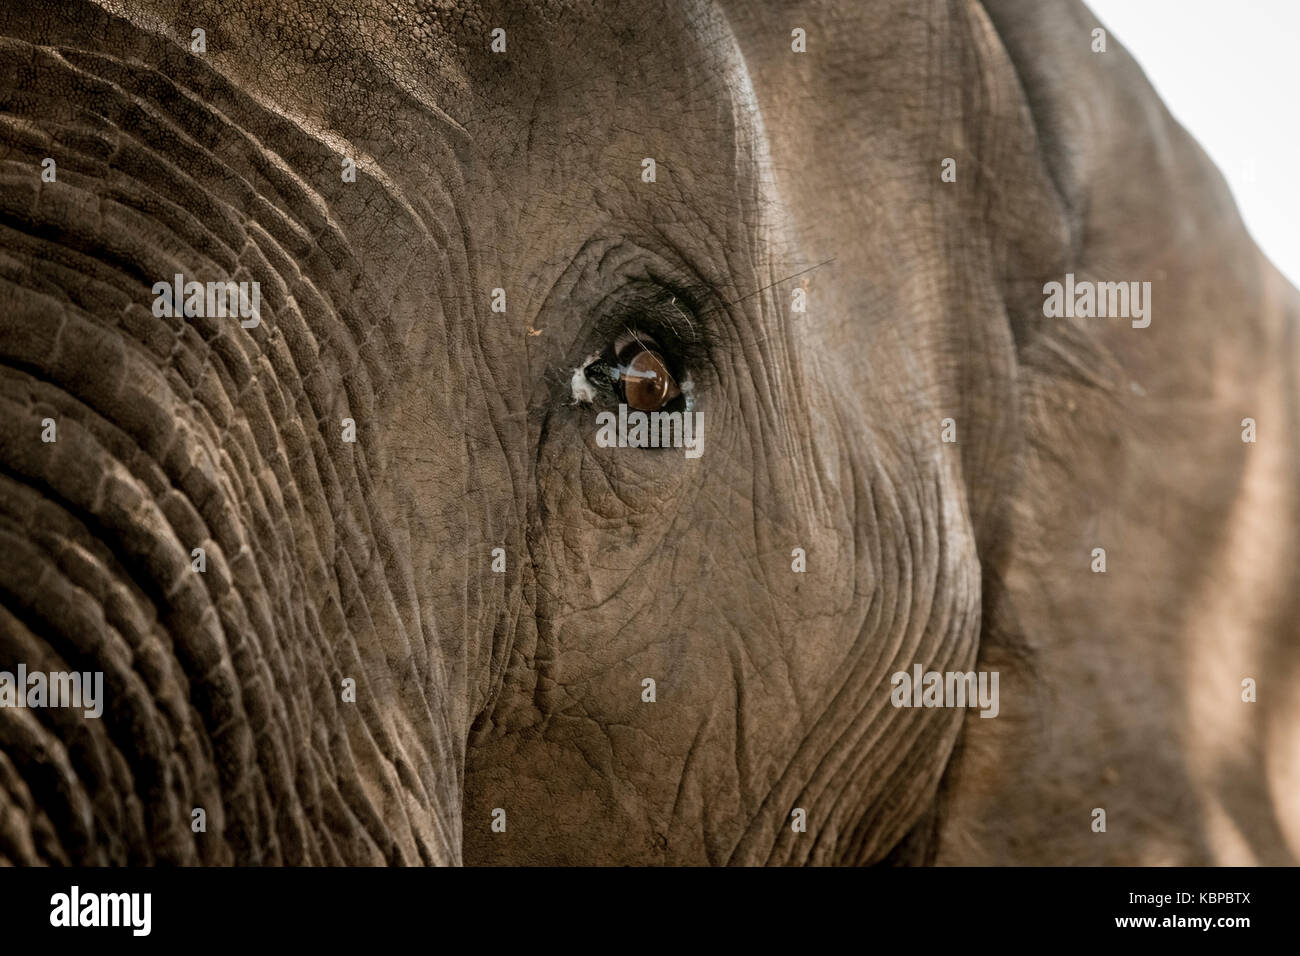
[365, 577]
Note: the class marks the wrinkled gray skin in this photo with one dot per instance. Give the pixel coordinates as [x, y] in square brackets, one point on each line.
[522, 690]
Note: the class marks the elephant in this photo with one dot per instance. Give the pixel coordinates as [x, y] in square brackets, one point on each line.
[307, 318]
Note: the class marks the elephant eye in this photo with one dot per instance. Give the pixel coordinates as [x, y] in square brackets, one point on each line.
[637, 370]
[647, 384]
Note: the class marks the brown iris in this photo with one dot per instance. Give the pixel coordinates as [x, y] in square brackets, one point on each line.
[647, 384]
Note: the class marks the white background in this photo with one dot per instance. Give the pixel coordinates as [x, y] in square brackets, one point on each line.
[1229, 71]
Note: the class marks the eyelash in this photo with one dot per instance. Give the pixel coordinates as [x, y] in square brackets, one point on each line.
[670, 322]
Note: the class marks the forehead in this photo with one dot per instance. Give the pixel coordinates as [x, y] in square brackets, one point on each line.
[566, 64]
[583, 91]
[558, 127]
[571, 55]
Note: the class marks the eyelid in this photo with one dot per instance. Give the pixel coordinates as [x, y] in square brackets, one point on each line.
[668, 317]
[635, 336]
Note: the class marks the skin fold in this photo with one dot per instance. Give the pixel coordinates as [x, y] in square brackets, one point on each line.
[521, 689]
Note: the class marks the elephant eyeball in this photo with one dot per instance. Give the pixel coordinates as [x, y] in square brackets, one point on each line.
[647, 384]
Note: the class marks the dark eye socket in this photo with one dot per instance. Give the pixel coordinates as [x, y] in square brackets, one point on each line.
[638, 371]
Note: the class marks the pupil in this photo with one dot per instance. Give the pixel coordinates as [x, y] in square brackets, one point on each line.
[646, 383]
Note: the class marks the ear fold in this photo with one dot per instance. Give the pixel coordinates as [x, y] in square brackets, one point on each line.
[1136, 191]
[1132, 442]
[1073, 433]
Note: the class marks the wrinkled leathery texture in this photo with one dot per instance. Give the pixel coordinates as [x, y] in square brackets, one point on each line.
[522, 690]
[773, 688]
[222, 689]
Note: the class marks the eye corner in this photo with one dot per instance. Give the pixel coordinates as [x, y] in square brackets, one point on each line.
[581, 388]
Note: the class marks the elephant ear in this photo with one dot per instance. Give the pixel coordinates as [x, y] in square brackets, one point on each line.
[1141, 567]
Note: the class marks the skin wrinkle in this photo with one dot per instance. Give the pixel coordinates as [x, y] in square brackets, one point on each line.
[915, 654]
[938, 622]
[33, 652]
[831, 705]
